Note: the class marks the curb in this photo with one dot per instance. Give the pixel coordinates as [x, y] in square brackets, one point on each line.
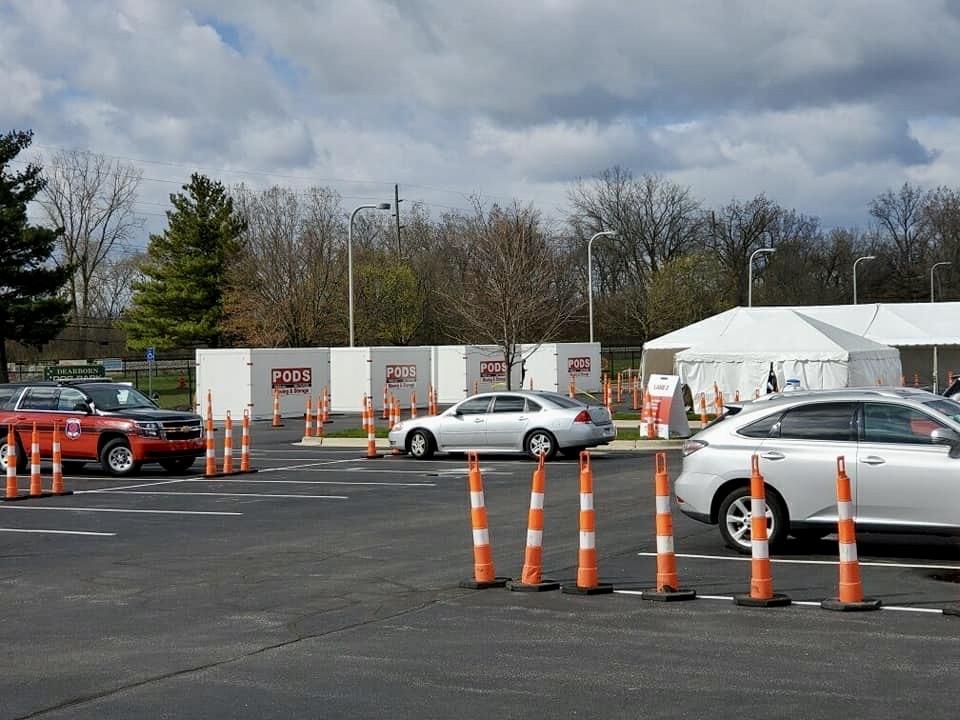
[383, 444]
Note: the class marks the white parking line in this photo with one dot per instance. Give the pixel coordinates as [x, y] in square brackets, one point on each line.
[791, 561]
[58, 532]
[116, 510]
[804, 603]
[131, 487]
[310, 482]
[307, 465]
[218, 494]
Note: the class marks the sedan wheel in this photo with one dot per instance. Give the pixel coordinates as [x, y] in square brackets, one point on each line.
[735, 518]
[21, 456]
[421, 445]
[540, 442]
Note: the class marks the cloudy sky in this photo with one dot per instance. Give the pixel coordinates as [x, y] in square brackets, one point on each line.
[820, 104]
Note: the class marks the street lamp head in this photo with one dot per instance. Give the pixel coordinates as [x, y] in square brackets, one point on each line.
[869, 257]
[768, 250]
[383, 206]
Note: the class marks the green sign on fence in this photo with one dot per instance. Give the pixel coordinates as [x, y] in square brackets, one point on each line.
[73, 372]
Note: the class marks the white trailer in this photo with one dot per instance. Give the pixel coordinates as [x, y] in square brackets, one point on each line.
[458, 369]
[241, 379]
[357, 371]
[553, 366]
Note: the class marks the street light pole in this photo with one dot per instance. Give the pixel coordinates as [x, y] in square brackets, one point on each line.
[750, 272]
[932, 270]
[380, 206]
[609, 233]
[859, 259]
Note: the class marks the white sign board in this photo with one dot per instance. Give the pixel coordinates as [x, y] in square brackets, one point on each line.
[668, 412]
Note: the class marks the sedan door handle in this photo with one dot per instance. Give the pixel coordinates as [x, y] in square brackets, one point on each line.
[478, 420]
[773, 455]
[522, 419]
[873, 460]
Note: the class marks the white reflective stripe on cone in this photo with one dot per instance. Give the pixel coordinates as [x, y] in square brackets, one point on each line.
[760, 548]
[848, 552]
[845, 510]
[664, 544]
[587, 540]
[476, 499]
[536, 501]
[586, 501]
[663, 504]
[758, 506]
[481, 536]
[534, 538]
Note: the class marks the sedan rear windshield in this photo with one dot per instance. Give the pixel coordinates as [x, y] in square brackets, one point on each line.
[950, 408]
[561, 401]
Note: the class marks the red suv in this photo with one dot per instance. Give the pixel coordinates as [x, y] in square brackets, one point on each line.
[106, 422]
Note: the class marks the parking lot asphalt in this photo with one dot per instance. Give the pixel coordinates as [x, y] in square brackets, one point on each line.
[326, 585]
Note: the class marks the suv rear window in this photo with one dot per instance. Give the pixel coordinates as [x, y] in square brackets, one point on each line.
[819, 421]
[761, 428]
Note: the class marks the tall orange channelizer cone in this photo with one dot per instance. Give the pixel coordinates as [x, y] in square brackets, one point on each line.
[668, 586]
[916, 379]
[209, 402]
[58, 488]
[228, 445]
[12, 490]
[210, 470]
[484, 575]
[245, 442]
[761, 581]
[36, 481]
[318, 429]
[636, 393]
[276, 409]
[620, 386]
[736, 396]
[386, 396]
[531, 382]
[703, 410]
[372, 453]
[851, 589]
[587, 576]
[326, 406]
[651, 418]
[413, 405]
[308, 418]
[531, 578]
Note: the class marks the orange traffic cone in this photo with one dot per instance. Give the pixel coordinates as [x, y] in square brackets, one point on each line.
[531, 578]
[58, 488]
[850, 596]
[413, 405]
[245, 443]
[761, 581]
[13, 489]
[36, 481]
[308, 418]
[372, 453]
[276, 409]
[326, 406]
[668, 586]
[228, 445]
[587, 576]
[484, 575]
[318, 418]
[210, 470]
[703, 410]
[386, 396]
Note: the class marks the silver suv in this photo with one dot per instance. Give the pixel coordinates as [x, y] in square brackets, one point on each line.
[902, 451]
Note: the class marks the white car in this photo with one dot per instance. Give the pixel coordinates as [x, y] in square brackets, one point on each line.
[534, 422]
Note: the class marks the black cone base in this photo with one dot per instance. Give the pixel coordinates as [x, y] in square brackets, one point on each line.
[778, 600]
[543, 586]
[599, 589]
[669, 595]
[472, 584]
[375, 456]
[836, 604]
[14, 499]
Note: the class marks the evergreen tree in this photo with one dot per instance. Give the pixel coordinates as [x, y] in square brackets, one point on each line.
[179, 302]
[31, 309]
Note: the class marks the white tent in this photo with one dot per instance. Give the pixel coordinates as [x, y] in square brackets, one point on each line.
[928, 334]
[799, 347]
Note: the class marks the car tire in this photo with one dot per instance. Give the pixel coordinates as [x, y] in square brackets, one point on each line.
[734, 520]
[177, 465]
[21, 455]
[116, 458]
[420, 445]
[540, 442]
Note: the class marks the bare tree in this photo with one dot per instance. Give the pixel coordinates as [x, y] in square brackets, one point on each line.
[903, 228]
[735, 231]
[111, 292]
[515, 286]
[92, 198]
[285, 286]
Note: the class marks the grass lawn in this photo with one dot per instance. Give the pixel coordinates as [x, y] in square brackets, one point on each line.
[354, 433]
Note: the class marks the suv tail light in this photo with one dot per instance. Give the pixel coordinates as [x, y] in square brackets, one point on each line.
[582, 417]
[691, 446]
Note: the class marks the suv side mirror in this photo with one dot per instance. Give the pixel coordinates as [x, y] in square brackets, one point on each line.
[946, 436]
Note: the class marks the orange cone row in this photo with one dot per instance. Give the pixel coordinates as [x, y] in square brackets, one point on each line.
[210, 465]
[35, 490]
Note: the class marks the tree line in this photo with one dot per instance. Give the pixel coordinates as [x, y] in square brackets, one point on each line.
[248, 267]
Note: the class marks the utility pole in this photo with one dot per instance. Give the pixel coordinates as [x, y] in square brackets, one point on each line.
[397, 201]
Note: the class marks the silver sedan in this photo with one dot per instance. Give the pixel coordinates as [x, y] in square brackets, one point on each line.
[534, 422]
